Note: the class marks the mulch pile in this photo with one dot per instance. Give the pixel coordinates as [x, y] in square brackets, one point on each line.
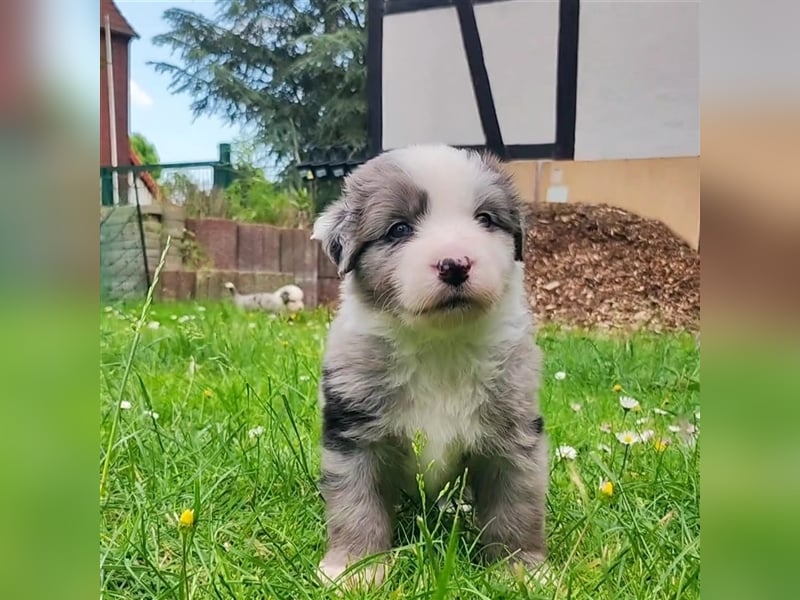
[597, 266]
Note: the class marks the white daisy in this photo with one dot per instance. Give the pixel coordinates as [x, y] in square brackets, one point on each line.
[604, 448]
[605, 427]
[641, 421]
[304, 378]
[153, 325]
[125, 405]
[151, 413]
[628, 403]
[576, 406]
[660, 411]
[256, 432]
[674, 428]
[646, 435]
[560, 376]
[628, 438]
[566, 453]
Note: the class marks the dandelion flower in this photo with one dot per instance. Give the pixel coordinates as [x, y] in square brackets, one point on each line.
[560, 376]
[604, 448]
[125, 405]
[617, 388]
[674, 428]
[628, 438]
[660, 411]
[661, 444]
[576, 406]
[566, 453]
[187, 518]
[605, 427]
[207, 393]
[153, 325]
[646, 435]
[606, 488]
[152, 414]
[256, 432]
[628, 403]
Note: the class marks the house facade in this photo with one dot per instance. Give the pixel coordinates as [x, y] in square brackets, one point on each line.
[587, 101]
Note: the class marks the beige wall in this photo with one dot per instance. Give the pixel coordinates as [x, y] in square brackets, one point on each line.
[667, 189]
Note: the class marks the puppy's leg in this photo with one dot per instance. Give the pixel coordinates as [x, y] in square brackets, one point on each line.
[509, 494]
[358, 511]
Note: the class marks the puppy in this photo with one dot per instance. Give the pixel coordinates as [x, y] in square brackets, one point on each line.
[286, 299]
[434, 336]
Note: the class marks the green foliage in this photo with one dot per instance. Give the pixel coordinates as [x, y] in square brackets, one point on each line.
[293, 71]
[147, 153]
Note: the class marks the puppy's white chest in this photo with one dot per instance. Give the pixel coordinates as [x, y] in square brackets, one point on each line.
[442, 405]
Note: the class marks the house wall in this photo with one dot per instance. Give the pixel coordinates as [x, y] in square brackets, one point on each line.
[120, 58]
[667, 189]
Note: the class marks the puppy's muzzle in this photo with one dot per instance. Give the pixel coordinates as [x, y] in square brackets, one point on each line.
[454, 271]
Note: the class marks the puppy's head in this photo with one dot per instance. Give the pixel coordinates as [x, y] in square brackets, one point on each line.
[292, 298]
[426, 232]
[230, 287]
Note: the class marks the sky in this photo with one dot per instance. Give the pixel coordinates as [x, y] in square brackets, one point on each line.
[162, 117]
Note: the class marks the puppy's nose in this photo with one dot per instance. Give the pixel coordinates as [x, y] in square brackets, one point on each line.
[454, 271]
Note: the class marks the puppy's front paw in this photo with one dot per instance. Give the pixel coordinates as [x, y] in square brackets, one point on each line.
[331, 568]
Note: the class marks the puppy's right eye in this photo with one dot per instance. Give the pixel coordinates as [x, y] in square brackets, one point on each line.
[399, 231]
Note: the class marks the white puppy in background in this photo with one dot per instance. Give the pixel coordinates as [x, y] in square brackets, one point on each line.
[286, 299]
[434, 335]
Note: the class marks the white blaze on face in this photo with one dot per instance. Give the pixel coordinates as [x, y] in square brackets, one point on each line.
[453, 181]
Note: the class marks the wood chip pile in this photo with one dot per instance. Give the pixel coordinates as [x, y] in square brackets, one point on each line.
[602, 267]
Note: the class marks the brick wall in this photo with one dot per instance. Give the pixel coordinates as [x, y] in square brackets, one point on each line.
[205, 253]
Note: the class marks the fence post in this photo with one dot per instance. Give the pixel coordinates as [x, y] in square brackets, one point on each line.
[223, 171]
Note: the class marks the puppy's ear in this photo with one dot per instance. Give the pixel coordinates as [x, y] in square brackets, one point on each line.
[335, 228]
[285, 296]
[494, 164]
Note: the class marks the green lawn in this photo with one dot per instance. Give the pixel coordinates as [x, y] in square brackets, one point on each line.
[236, 437]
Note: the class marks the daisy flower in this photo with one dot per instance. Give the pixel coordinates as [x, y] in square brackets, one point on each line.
[606, 487]
[575, 406]
[641, 421]
[628, 438]
[604, 448]
[566, 453]
[256, 432]
[660, 411]
[646, 435]
[125, 405]
[153, 325]
[691, 429]
[674, 428]
[605, 427]
[560, 376]
[628, 403]
[151, 413]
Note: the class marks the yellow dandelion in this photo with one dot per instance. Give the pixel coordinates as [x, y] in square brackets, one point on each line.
[617, 388]
[606, 488]
[208, 393]
[187, 518]
[661, 445]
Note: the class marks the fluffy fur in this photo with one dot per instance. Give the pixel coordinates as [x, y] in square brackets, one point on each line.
[286, 299]
[433, 335]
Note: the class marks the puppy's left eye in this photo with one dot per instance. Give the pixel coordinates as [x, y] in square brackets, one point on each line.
[399, 231]
[485, 219]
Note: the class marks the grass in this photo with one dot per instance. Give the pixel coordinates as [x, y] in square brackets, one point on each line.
[203, 383]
